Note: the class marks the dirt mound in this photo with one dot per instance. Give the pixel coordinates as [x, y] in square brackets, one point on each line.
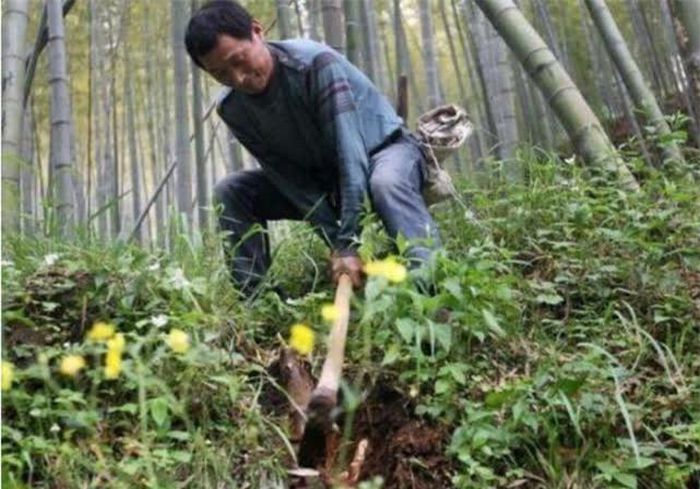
[407, 451]
[50, 309]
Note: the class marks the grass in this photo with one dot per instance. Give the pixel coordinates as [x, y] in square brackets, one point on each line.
[570, 358]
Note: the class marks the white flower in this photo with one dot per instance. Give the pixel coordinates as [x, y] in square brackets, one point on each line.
[55, 428]
[160, 320]
[154, 267]
[178, 279]
[50, 259]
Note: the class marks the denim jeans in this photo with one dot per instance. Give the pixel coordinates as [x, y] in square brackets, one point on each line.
[395, 183]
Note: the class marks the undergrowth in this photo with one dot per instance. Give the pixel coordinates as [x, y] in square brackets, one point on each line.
[570, 357]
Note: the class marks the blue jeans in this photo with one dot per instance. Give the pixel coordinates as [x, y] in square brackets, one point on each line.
[395, 184]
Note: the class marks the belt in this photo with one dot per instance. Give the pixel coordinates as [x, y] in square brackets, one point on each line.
[391, 139]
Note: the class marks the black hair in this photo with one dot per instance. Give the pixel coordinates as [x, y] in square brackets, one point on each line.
[211, 19]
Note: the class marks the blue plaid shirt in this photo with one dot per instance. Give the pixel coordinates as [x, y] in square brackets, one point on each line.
[312, 132]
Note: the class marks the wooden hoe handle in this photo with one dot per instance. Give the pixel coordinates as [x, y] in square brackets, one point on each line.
[329, 381]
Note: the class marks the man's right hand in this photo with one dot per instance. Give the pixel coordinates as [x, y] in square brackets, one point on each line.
[349, 264]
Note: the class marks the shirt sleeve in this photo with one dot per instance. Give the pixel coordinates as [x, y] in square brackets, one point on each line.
[336, 111]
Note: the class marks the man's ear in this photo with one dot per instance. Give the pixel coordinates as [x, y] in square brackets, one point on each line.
[257, 29]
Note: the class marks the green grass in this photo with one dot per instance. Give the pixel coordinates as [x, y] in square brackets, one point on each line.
[571, 358]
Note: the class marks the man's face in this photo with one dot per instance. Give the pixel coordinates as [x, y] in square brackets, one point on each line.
[245, 65]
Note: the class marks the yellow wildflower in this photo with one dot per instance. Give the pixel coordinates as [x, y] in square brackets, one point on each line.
[395, 272]
[101, 331]
[178, 340]
[329, 313]
[117, 343]
[113, 364]
[375, 268]
[388, 268]
[302, 339]
[71, 365]
[8, 375]
[113, 360]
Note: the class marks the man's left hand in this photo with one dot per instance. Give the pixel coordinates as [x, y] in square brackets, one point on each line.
[351, 265]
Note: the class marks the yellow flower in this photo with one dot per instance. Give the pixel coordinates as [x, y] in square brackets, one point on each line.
[101, 331]
[375, 268]
[388, 268]
[302, 339]
[329, 312]
[178, 340]
[117, 343]
[8, 375]
[71, 365]
[395, 272]
[113, 359]
[113, 364]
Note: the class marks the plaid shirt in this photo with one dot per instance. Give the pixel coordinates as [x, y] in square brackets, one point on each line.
[312, 132]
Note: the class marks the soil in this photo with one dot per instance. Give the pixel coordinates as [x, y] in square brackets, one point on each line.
[406, 450]
[51, 309]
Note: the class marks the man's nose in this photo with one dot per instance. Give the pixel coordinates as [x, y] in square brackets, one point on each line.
[237, 78]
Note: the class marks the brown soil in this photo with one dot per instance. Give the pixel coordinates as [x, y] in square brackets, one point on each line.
[50, 310]
[404, 449]
[407, 451]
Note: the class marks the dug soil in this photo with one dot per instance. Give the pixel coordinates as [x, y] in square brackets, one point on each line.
[407, 451]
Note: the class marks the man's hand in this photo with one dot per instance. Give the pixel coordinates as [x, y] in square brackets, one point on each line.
[350, 264]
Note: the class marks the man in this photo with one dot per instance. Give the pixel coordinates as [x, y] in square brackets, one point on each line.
[324, 137]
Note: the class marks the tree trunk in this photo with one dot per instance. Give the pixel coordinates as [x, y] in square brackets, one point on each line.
[131, 135]
[353, 33]
[97, 56]
[27, 174]
[597, 91]
[156, 144]
[300, 23]
[643, 51]
[429, 59]
[382, 68]
[61, 121]
[200, 164]
[42, 38]
[283, 19]
[492, 56]
[631, 76]
[477, 144]
[314, 8]
[184, 180]
[333, 30]
[583, 127]
[453, 53]
[403, 60]
[235, 153]
[545, 19]
[369, 42]
[455, 64]
[14, 27]
[629, 114]
[680, 70]
[386, 67]
[115, 168]
[474, 30]
[686, 14]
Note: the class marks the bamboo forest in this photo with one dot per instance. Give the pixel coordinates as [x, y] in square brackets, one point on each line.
[350, 244]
